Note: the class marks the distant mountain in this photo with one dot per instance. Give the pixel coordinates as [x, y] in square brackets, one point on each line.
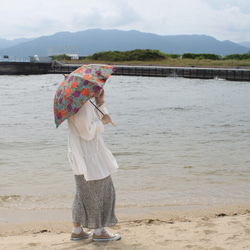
[245, 44]
[4, 43]
[96, 40]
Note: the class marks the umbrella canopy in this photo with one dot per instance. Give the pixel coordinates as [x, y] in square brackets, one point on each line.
[77, 88]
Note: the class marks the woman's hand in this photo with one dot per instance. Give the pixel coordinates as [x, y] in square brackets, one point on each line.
[106, 119]
[99, 99]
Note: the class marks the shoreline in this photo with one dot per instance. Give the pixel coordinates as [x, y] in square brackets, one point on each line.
[23, 216]
[220, 227]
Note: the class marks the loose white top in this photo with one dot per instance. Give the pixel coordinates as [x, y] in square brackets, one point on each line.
[87, 153]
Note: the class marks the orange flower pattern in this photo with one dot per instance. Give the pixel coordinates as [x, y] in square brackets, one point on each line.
[85, 92]
[74, 84]
[77, 88]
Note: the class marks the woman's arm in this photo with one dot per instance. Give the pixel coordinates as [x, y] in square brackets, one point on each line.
[85, 124]
[99, 100]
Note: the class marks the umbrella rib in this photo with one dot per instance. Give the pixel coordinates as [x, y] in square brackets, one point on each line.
[96, 107]
[101, 112]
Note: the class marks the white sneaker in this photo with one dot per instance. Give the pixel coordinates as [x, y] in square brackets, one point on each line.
[106, 236]
[83, 235]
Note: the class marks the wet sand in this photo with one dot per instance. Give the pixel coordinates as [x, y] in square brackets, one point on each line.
[224, 227]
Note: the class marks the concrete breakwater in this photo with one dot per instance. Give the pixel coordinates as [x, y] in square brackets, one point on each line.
[23, 68]
[233, 74]
[187, 72]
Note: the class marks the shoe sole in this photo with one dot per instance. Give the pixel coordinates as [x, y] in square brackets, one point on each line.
[118, 237]
[81, 238]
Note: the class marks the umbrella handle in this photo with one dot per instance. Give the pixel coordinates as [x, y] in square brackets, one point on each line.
[113, 124]
[101, 112]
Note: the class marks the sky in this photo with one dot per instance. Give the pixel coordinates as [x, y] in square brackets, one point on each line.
[222, 19]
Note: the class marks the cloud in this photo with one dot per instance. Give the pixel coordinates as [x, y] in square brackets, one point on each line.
[222, 19]
[230, 23]
[117, 15]
[243, 5]
[226, 21]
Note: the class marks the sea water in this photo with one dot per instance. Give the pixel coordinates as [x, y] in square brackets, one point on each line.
[178, 142]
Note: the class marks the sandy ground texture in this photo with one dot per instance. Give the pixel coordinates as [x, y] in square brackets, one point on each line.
[211, 228]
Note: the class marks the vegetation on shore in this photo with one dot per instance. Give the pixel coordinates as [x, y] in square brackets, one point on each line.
[156, 57]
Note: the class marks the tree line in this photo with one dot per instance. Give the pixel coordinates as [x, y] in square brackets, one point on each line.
[133, 55]
[152, 55]
[217, 57]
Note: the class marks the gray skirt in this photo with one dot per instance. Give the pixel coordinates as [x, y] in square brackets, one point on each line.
[94, 203]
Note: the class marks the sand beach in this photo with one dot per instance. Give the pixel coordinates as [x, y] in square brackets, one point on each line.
[217, 228]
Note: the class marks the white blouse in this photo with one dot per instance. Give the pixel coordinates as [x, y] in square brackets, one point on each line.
[87, 153]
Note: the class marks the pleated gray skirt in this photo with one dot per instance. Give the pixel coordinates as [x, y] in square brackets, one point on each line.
[94, 203]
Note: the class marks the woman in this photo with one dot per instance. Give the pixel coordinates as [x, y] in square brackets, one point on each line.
[92, 163]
